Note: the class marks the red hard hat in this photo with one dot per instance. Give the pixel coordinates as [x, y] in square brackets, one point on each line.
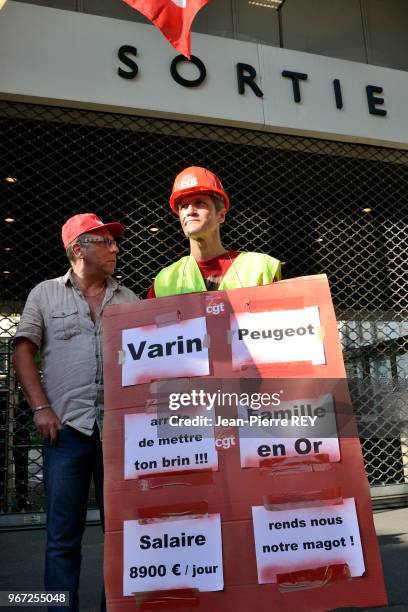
[194, 180]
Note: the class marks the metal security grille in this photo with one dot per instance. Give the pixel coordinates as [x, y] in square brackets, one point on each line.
[319, 206]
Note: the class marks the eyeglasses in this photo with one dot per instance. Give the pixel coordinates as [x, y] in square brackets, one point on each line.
[108, 242]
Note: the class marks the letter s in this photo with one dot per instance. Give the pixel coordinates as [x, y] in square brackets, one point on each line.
[276, 399]
[145, 542]
[122, 55]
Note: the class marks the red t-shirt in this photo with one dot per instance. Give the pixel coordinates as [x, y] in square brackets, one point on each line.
[212, 270]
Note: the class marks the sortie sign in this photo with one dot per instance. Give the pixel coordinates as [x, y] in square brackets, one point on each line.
[247, 79]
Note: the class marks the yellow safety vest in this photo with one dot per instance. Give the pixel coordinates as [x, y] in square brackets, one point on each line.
[247, 270]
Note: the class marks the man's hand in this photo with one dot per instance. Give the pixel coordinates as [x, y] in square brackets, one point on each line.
[47, 424]
[46, 421]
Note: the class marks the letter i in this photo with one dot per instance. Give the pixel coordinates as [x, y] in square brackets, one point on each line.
[337, 93]
[180, 347]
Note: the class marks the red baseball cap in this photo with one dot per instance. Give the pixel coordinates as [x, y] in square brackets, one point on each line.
[80, 224]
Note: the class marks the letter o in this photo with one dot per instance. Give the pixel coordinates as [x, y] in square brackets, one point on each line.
[303, 446]
[181, 80]
[301, 331]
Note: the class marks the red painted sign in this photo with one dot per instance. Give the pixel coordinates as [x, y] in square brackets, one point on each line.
[245, 487]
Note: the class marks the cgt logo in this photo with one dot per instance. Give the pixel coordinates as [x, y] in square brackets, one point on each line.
[225, 442]
[188, 181]
[215, 307]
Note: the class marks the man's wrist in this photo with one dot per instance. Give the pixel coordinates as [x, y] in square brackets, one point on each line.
[36, 409]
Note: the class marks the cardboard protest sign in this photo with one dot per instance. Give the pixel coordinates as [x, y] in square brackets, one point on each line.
[151, 352]
[186, 356]
[296, 428]
[146, 452]
[173, 554]
[128, 385]
[305, 538]
[277, 337]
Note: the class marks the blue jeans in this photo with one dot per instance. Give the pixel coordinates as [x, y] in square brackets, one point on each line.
[69, 467]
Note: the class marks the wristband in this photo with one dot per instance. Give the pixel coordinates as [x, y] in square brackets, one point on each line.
[42, 407]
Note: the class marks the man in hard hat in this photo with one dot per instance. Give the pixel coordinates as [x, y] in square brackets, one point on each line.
[199, 200]
[62, 320]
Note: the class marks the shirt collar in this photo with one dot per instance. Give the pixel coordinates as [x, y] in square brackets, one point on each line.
[110, 282]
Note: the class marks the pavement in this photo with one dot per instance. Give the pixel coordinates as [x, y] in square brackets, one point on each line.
[22, 552]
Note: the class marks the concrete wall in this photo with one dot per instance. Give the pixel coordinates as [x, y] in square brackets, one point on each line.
[49, 55]
[373, 31]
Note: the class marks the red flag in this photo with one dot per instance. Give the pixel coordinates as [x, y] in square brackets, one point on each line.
[172, 17]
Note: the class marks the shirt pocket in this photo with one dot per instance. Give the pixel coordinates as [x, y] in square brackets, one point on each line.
[65, 323]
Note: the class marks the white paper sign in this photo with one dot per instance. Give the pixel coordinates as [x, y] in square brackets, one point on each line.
[277, 337]
[306, 538]
[177, 554]
[299, 428]
[149, 450]
[171, 351]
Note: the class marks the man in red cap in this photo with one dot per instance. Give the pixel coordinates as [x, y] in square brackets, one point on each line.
[201, 203]
[62, 319]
